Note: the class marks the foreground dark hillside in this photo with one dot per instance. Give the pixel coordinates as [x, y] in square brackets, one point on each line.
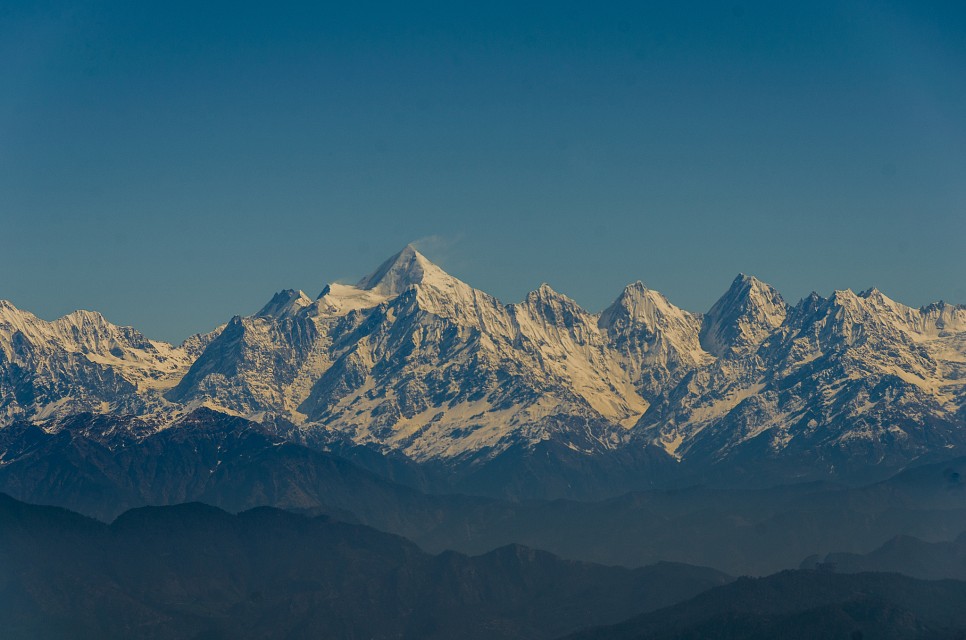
[195, 571]
[802, 605]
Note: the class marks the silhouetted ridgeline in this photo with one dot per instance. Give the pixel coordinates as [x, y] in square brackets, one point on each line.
[196, 571]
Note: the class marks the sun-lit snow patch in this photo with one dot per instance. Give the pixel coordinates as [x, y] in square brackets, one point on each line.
[340, 299]
[725, 405]
[671, 443]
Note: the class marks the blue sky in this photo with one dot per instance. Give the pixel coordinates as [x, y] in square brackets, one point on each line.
[173, 165]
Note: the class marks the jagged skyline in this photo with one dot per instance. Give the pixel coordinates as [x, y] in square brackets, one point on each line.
[286, 296]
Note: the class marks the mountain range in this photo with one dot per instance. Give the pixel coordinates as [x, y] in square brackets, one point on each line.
[389, 456]
[414, 364]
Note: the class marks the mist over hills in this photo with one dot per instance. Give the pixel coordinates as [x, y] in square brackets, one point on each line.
[236, 465]
[195, 571]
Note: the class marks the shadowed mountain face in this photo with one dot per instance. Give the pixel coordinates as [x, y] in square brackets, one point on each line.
[801, 605]
[413, 362]
[236, 465]
[196, 571]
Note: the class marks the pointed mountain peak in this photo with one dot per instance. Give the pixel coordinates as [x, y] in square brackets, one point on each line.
[551, 307]
[639, 308]
[436, 290]
[743, 317]
[82, 317]
[545, 298]
[639, 291]
[638, 302]
[745, 282]
[545, 293]
[11, 316]
[878, 299]
[844, 298]
[8, 310]
[842, 293]
[405, 269]
[809, 304]
[747, 294]
[546, 290]
[284, 303]
[745, 287]
[635, 288]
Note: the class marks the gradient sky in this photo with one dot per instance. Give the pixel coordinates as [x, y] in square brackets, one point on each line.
[173, 164]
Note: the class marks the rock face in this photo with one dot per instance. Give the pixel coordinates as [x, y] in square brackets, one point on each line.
[415, 361]
[743, 318]
[82, 362]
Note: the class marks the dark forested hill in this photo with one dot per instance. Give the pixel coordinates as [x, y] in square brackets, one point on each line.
[236, 465]
[195, 571]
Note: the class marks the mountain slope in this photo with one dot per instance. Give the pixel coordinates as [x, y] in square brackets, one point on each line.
[81, 362]
[851, 380]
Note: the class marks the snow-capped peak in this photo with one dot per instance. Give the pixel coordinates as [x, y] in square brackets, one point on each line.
[743, 317]
[639, 304]
[339, 299]
[874, 307]
[395, 276]
[553, 306]
[80, 362]
[943, 318]
[658, 341]
[13, 319]
[546, 292]
[285, 303]
[402, 271]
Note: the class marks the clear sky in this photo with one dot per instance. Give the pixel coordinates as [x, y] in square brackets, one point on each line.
[173, 164]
